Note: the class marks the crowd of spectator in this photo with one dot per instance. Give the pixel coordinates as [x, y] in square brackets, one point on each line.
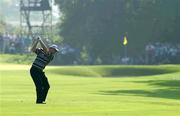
[162, 53]
[154, 53]
[12, 43]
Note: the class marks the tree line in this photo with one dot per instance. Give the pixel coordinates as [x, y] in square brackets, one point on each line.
[98, 26]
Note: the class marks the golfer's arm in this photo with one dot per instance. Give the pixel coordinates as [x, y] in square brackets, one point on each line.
[34, 45]
[43, 45]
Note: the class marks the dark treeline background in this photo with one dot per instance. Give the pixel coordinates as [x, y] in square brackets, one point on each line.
[98, 26]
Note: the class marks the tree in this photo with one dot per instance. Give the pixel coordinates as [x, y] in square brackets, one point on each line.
[99, 25]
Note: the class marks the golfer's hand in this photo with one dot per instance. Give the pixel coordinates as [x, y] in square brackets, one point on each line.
[38, 38]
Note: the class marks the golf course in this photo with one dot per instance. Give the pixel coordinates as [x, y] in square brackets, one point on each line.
[103, 90]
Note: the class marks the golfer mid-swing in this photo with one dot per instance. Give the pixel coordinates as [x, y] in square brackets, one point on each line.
[44, 56]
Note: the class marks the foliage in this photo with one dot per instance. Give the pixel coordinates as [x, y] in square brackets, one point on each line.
[84, 56]
[56, 38]
[101, 24]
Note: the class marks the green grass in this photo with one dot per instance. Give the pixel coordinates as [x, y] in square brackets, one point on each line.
[93, 91]
[16, 58]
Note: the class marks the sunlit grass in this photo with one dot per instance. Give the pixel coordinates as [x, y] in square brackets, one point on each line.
[93, 91]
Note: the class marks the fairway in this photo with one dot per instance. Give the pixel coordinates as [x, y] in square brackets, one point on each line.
[93, 91]
[89, 58]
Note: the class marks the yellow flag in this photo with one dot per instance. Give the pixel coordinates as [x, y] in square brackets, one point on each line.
[125, 42]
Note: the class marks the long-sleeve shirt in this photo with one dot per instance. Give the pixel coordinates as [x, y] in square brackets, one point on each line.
[42, 59]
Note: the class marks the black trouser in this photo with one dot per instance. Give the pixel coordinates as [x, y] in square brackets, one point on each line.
[41, 83]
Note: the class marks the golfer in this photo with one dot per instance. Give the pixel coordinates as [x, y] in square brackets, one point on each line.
[44, 56]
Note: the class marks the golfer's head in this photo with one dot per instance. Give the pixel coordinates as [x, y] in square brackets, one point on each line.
[53, 49]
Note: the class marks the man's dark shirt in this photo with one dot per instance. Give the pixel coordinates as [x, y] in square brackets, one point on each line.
[42, 59]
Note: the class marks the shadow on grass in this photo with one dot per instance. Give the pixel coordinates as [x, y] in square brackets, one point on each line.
[175, 84]
[134, 71]
[112, 71]
[169, 89]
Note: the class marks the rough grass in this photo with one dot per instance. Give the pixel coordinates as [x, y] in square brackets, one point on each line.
[115, 71]
[86, 91]
[16, 58]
